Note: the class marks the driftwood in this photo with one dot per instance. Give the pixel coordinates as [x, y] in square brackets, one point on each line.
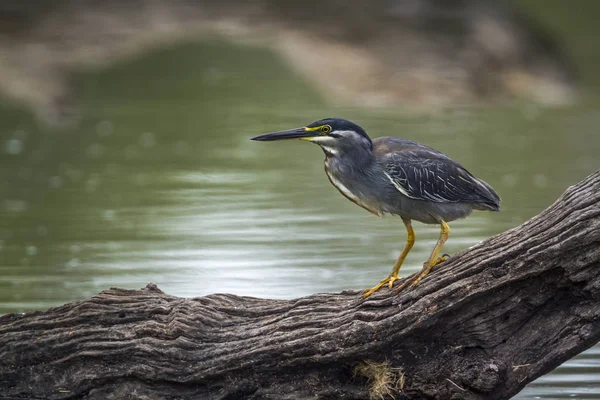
[481, 326]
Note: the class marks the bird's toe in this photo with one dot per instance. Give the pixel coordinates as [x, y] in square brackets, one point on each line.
[387, 281]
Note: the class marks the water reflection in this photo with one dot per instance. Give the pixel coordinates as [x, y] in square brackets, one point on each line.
[578, 378]
[161, 184]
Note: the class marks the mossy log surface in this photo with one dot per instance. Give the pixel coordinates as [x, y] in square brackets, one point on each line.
[485, 323]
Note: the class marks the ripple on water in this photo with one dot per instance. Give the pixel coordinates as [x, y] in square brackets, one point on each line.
[577, 378]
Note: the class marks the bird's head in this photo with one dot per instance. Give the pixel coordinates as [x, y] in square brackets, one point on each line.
[334, 135]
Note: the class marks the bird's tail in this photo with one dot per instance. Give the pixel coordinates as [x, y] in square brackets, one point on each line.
[490, 201]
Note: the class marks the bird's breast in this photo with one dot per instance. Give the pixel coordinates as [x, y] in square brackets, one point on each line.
[339, 179]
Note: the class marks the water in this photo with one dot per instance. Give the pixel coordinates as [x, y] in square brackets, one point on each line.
[159, 183]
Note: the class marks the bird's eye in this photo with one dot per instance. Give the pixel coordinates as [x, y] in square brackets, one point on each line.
[325, 129]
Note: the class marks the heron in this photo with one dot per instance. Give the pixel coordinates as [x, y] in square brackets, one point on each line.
[392, 175]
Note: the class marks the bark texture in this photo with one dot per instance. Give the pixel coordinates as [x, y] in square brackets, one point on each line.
[481, 326]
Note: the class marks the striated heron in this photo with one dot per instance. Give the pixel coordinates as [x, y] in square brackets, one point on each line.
[391, 175]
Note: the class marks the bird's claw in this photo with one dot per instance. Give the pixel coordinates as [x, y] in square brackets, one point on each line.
[417, 279]
[440, 259]
[414, 281]
[387, 281]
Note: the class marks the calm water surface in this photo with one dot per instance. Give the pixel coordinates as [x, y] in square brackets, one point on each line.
[159, 183]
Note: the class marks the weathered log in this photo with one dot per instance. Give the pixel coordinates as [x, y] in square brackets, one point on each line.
[481, 326]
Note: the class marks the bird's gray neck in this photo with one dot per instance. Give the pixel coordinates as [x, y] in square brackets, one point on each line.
[355, 174]
[357, 157]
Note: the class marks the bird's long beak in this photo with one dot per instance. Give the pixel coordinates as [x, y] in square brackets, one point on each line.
[296, 133]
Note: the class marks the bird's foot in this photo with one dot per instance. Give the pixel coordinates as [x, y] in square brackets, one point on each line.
[440, 260]
[387, 281]
[418, 279]
[406, 282]
[414, 281]
[427, 268]
[424, 272]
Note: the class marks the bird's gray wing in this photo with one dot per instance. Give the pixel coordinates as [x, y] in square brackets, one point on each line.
[422, 173]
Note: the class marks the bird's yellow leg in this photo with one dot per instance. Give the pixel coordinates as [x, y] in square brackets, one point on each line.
[432, 261]
[393, 277]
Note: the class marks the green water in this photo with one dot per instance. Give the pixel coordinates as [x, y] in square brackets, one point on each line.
[159, 183]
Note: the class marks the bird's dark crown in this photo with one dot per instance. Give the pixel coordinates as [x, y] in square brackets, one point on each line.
[340, 124]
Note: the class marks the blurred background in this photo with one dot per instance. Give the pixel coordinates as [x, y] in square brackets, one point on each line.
[125, 156]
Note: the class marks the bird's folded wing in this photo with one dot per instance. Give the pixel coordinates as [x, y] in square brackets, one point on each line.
[437, 179]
